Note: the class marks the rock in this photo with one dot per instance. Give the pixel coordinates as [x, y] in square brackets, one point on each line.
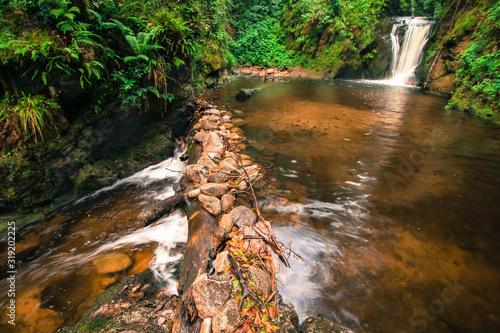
[211, 204]
[112, 263]
[227, 319]
[226, 221]
[231, 161]
[319, 325]
[226, 167]
[210, 294]
[288, 321]
[213, 118]
[197, 173]
[197, 126]
[242, 186]
[200, 136]
[276, 265]
[214, 189]
[227, 202]
[245, 157]
[239, 122]
[206, 326]
[206, 160]
[221, 261]
[246, 162]
[212, 111]
[238, 131]
[243, 216]
[213, 145]
[194, 193]
[217, 178]
[206, 124]
[261, 279]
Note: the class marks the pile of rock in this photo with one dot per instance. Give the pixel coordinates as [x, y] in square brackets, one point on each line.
[272, 73]
[240, 291]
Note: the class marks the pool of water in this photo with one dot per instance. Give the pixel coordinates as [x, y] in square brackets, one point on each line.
[391, 200]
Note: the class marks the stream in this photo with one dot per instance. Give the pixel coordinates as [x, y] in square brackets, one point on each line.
[391, 200]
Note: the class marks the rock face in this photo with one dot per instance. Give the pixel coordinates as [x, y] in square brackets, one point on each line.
[319, 325]
[211, 204]
[210, 294]
[227, 319]
[112, 263]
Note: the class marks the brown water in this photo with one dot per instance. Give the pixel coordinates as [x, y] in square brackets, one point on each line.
[57, 276]
[392, 200]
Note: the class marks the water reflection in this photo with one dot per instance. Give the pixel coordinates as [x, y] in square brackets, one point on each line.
[389, 199]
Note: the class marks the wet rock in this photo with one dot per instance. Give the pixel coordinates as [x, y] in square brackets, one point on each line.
[261, 279]
[206, 124]
[206, 160]
[210, 294]
[226, 221]
[112, 263]
[231, 162]
[217, 178]
[319, 325]
[211, 204]
[212, 111]
[243, 216]
[288, 321]
[227, 202]
[227, 319]
[194, 193]
[200, 136]
[213, 145]
[226, 167]
[221, 261]
[197, 173]
[214, 189]
[239, 122]
[206, 326]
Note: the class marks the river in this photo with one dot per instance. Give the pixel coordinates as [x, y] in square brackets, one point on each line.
[390, 199]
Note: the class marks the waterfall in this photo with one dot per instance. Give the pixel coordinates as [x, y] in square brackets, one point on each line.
[407, 57]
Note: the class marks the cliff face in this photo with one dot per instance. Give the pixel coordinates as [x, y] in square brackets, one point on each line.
[463, 61]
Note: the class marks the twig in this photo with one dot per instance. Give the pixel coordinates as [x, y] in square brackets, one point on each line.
[244, 289]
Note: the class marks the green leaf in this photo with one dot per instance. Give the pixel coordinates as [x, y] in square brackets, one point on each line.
[44, 77]
[178, 62]
[235, 283]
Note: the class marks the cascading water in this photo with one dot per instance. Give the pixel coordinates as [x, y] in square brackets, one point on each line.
[407, 57]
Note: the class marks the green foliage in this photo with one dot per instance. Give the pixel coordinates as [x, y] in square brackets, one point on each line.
[35, 114]
[478, 76]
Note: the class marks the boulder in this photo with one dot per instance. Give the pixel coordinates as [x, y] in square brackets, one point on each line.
[194, 193]
[217, 178]
[211, 204]
[227, 319]
[243, 216]
[200, 136]
[261, 279]
[210, 294]
[213, 145]
[226, 167]
[112, 263]
[197, 173]
[206, 160]
[231, 161]
[214, 189]
[212, 111]
[226, 221]
[227, 202]
[221, 261]
[206, 124]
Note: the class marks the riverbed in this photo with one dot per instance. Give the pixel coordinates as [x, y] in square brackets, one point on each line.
[389, 198]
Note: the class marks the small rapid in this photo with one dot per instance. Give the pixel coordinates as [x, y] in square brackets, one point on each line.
[61, 270]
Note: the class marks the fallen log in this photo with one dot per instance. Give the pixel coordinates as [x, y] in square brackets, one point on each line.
[243, 94]
[204, 237]
[162, 207]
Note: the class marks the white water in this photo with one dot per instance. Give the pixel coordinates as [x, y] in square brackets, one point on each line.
[406, 58]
